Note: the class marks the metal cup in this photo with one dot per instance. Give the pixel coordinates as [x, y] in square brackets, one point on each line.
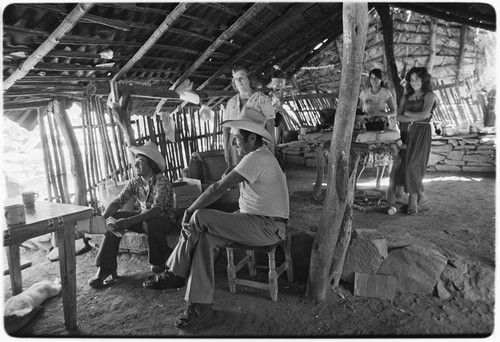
[15, 215]
[29, 198]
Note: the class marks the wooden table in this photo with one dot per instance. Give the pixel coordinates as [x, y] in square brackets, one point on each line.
[43, 218]
[357, 149]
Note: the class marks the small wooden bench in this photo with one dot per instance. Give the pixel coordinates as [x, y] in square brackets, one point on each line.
[249, 259]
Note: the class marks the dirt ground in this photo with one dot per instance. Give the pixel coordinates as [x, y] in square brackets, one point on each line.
[461, 222]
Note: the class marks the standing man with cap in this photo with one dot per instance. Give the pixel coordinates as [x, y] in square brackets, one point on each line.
[153, 191]
[261, 221]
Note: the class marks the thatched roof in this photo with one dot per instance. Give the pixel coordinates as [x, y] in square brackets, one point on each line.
[453, 52]
[149, 49]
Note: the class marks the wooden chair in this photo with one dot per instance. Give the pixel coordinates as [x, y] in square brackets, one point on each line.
[249, 259]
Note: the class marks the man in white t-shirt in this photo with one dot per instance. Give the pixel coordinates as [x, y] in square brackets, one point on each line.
[261, 220]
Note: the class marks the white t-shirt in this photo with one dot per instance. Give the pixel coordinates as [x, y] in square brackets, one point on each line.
[265, 191]
[371, 102]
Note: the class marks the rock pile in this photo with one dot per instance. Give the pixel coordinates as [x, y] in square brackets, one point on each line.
[416, 267]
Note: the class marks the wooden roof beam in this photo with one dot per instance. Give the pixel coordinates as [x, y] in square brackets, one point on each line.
[232, 12]
[77, 40]
[297, 40]
[200, 21]
[239, 23]
[292, 69]
[169, 20]
[88, 55]
[447, 16]
[296, 44]
[66, 25]
[89, 18]
[27, 104]
[152, 92]
[292, 13]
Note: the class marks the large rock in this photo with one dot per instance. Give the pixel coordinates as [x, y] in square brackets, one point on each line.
[456, 155]
[404, 239]
[365, 253]
[441, 149]
[471, 280]
[435, 158]
[417, 269]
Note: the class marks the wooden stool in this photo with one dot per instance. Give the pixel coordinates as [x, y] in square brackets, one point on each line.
[249, 260]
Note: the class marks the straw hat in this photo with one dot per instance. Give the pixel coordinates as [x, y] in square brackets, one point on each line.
[150, 150]
[251, 120]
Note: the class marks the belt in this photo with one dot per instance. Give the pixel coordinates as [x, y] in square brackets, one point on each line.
[277, 219]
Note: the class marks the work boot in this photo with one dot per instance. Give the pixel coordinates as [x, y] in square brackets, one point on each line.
[194, 312]
[101, 275]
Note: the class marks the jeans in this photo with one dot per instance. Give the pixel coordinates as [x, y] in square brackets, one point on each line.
[156, 229]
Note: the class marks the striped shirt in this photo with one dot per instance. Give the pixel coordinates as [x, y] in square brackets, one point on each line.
[159, 194]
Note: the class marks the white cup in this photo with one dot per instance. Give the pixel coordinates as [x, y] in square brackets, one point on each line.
[15, 215]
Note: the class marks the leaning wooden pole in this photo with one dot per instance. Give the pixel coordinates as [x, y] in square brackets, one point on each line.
[60, 198]
[355, 24]
[77, 168]
[433, 27]
[41, 113]
[67, 24]
[388, 34]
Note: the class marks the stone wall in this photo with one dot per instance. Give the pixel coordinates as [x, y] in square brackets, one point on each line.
[467, 153]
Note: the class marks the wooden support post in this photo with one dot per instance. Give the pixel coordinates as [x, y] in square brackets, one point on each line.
[41, 113]
[388, 33]
[75, 154]
[346, 227]
[355, 24]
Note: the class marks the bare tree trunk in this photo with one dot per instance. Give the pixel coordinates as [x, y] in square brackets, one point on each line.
[77, 169]
[432, 45]
[122, 112]
[346, 227]
[355, 25]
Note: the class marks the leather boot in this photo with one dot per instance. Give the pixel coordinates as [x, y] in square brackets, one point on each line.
[101, 275]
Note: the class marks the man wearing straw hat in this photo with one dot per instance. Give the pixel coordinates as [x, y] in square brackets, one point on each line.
[261, 221]
[153, 191]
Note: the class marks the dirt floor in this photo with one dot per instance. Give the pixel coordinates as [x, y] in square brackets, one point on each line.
[461, 222]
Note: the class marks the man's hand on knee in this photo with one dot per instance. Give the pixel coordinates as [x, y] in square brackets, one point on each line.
[186, 230]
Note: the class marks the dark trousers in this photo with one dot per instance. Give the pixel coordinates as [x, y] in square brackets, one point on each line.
[156, 229]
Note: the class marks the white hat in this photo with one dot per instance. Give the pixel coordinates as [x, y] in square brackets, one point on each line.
[150, 150]
[251, 120]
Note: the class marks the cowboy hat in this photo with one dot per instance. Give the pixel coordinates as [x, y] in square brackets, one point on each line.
[251, 120]
[150, 150]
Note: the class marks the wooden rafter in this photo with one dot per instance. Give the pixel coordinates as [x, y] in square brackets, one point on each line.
[289, 16]
[439, 11]
[296, 43]
[240, 22]
[304, 59]
[67, 24]
[193, 19]
[169, 20]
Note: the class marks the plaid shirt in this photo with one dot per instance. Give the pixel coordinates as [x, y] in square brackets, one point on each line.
[258, 100]
[160, 194]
